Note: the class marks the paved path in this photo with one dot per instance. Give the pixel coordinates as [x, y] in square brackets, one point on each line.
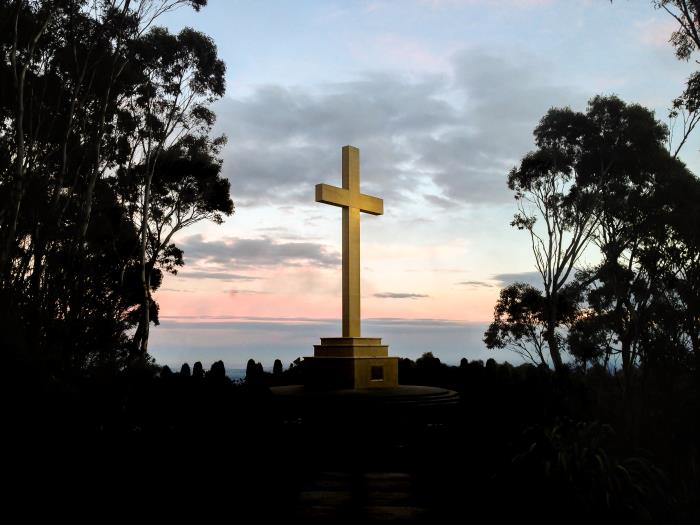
[363, 497]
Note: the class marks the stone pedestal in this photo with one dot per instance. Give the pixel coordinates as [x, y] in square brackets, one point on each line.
[351, 362]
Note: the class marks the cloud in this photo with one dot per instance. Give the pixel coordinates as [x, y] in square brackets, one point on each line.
[223, 276]
[235, 292]
[532, 278]
[476, 284]
[252, 253]
[452, 136]
[217, 321]
[441, 202]
[395, 295]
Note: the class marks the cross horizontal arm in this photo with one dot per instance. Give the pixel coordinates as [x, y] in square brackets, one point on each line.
[328, 194]
[335, 196]
[371, 205]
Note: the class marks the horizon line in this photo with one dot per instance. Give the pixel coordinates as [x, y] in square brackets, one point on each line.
[215, 318]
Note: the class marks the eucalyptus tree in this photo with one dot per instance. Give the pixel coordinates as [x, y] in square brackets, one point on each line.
[602, 179]
[519, 323]
[555, 209]
[69, 74]
[630, 142]
[677, 298]
[169, 123]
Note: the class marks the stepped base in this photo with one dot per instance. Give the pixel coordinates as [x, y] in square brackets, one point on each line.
[351, 362]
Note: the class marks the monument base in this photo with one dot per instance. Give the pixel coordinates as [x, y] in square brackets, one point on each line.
[351, 363]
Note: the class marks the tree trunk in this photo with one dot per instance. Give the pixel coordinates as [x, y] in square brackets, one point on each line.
[17, 190]
[625, 351]
[551, 335]
[146, 267]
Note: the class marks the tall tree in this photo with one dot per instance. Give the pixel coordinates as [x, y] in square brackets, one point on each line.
[631, 142]
[678, 296]
[598, 176]
[70, 73]
[555, 209]
[169, 115]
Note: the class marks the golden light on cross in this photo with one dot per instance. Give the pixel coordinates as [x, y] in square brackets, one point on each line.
[352, 202]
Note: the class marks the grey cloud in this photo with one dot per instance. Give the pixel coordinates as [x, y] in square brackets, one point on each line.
[244, 292]
[234, 318]
[532, 278]
[285, 140]
[504, 102]
[476, 284]
[396, 295]
[250, 253]
[441, 202]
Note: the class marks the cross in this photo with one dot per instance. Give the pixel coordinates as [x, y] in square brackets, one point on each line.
[353, 202]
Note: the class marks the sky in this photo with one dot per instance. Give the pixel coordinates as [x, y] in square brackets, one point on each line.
[441, 97]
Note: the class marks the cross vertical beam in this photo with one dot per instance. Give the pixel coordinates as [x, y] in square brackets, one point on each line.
[351, 245]
[353, 202]
[351, 272]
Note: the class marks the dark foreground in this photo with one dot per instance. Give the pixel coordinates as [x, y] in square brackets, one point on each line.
[521, 443]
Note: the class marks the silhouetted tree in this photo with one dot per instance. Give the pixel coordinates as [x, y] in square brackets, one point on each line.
[632, 145]
[277, 368]
[600, 176]
[169, 165]
[519, 323]
[198, 371]
[407, 371]
[678, 199]
[79, 84]
[588, 341]
[217, 372]
[555, 209]
[429, 368]
[637, 235]
[251, 371]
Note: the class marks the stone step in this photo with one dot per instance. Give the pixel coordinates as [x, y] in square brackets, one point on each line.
[360, 497]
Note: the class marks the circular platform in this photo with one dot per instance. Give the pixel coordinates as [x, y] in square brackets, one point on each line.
[399, 396]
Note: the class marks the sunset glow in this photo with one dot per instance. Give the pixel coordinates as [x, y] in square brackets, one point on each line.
[441, 99]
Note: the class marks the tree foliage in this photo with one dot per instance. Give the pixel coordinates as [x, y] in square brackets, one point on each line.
[105, 153]
[603, 181]
[685, 109]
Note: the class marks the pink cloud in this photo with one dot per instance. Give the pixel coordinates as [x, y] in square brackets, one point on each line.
[655, 32]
